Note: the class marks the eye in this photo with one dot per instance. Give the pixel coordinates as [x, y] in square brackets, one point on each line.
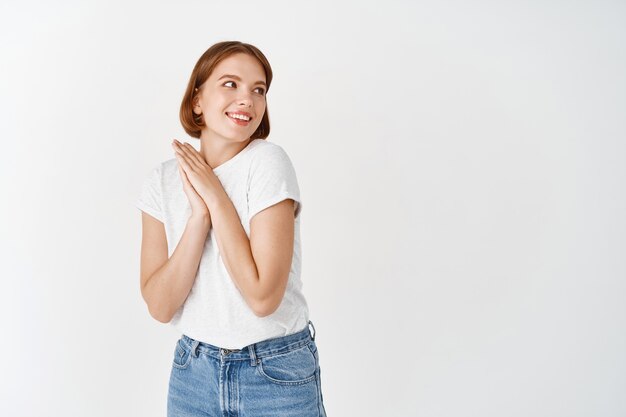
[262, 92]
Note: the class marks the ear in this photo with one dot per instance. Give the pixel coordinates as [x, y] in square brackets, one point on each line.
[196, 107]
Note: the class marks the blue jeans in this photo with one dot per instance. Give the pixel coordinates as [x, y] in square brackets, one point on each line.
[275, 377]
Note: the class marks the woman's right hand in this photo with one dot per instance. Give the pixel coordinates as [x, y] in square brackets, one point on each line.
[198, 206]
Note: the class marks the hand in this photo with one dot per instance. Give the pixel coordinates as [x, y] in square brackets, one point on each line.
[198, 172]
[198, 207]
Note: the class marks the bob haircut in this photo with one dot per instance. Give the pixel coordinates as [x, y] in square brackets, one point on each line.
[193, 123]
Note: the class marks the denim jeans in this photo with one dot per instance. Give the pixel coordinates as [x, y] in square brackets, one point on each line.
[275, 377]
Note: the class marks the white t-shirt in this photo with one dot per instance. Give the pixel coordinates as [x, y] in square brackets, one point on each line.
[215, 312]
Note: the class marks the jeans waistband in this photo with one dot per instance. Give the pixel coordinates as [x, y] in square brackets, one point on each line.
[254, 351]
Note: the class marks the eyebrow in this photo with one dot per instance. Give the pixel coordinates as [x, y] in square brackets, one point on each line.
[236, 77]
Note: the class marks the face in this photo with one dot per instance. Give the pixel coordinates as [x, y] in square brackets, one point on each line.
[236, 85]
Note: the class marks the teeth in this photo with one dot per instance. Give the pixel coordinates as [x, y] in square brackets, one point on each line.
[239, 116]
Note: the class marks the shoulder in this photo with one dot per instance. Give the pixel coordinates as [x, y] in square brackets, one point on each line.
[167, 172]
[271, 167]
[267, 154]
[168, 166]
[163, 167]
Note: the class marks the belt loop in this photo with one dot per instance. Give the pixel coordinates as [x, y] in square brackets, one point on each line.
[253, 359]
[312, 335]
[194, 348]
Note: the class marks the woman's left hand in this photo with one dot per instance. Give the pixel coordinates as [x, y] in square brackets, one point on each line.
[198, 171]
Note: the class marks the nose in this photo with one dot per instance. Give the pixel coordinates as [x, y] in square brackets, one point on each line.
[245, 100]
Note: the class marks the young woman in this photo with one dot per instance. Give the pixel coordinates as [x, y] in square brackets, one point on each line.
[220, 253]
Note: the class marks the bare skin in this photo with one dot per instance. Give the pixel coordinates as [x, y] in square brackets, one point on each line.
[259, 266]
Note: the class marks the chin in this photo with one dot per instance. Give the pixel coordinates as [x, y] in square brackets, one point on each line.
[238, 137]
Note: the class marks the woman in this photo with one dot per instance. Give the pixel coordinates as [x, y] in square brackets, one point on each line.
[220, 255]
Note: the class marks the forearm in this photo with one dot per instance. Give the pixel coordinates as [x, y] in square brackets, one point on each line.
[235, 250]
[169, 286]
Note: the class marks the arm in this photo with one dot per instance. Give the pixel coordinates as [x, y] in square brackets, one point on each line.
[259, 266]
[165, 283]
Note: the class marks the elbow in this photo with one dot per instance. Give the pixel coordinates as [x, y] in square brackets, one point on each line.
[267, 302]
[159, 313]
[263, 312]
[161, 318]
[265, 308]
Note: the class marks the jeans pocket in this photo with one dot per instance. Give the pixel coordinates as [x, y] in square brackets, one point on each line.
[313, 348]
[182, 355]
[295, 367]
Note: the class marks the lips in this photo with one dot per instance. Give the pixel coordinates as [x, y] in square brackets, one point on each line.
[243, 113]
[239, 121]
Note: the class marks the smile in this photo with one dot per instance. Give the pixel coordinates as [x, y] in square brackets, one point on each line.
[239, 119]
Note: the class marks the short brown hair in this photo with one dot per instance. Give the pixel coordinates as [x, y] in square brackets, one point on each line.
[193, 123]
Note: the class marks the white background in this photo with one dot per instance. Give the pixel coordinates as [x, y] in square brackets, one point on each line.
[462, 170]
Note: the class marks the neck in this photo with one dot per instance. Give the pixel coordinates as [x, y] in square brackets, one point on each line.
[217, 150]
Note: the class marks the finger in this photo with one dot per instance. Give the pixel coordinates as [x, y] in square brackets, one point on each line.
[183, 176]
[192, 163]
[183, 162]
[191, 157]
[197, 156]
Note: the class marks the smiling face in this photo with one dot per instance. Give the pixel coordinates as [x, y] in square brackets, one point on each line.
[236, 85]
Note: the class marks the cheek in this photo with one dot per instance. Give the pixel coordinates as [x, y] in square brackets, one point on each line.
[217, 106]
[261, 106]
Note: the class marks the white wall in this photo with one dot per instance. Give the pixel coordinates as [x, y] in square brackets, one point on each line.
[461, 167]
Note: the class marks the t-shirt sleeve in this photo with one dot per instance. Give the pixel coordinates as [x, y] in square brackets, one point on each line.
[272, 179]
[150, 196]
